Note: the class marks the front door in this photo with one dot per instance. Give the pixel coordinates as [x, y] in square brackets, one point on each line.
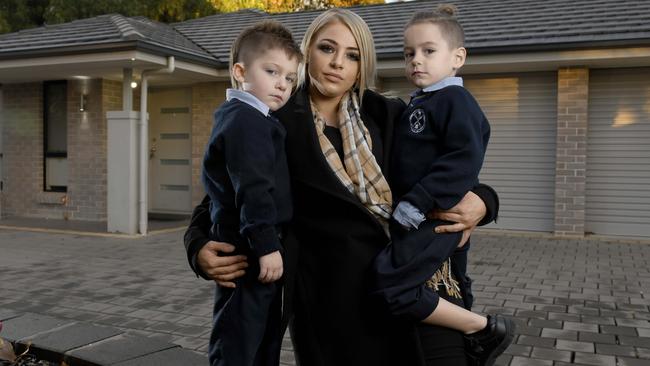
[170, 174]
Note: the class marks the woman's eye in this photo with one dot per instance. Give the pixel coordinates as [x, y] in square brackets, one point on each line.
[326, 48]
[271, 72]
[354, 56]
[291, 80]
[408, 55]
[429, 51]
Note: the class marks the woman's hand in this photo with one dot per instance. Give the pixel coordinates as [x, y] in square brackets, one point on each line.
[466, 215]
[222, 269]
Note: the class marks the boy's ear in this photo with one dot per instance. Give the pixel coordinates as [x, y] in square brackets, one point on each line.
[239, 72]
[460, 54]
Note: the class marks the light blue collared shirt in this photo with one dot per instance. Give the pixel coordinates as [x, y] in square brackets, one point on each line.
[448, 81]
[247, 98]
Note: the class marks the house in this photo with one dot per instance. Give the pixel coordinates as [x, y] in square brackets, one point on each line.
[565, 85]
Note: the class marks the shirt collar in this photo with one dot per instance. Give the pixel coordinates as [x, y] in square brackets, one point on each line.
[448, 81]
[247, 98]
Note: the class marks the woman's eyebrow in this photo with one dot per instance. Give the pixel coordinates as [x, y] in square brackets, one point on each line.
[336, 43]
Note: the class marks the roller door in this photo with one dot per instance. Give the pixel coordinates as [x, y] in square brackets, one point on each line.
[618, 153]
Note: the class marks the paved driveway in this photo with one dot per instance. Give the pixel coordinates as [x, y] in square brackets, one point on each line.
[575, 301]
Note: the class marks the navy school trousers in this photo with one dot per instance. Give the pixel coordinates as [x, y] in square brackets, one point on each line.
[403, 267]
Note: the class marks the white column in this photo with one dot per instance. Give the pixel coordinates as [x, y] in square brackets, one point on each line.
[122, 160]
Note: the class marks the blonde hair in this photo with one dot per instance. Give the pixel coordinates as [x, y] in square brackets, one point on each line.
[445, 18]
[361, 34]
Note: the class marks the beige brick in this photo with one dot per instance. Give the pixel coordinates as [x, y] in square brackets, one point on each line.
[573, 92]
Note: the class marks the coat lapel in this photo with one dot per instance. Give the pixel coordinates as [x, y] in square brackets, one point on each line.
[306, 161]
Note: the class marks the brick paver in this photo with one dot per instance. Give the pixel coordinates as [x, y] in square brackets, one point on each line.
[575, 301]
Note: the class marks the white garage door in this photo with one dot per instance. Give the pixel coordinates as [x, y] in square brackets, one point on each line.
[520, 161]
[618, 153]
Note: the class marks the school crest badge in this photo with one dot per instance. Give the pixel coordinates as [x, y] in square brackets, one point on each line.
[417, 120]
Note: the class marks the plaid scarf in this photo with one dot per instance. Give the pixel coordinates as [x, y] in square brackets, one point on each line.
[359, 172]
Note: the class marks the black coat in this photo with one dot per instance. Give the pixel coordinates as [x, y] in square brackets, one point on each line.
[336, 238]
[330, 247]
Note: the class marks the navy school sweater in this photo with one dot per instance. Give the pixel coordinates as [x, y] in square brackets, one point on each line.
[246, 175]
[438, 149]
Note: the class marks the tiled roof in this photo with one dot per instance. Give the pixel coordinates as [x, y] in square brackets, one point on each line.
[490, 26]
[103, 30]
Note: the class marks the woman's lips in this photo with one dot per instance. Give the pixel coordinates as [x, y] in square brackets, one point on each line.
[333, 77]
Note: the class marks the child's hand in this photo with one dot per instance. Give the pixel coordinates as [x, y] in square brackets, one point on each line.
[270, 267]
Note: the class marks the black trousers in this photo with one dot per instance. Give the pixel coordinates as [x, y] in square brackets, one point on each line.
[403, 267]
[246, 325]
[442, 346]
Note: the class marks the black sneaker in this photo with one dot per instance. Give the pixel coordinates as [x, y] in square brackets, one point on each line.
[486, 345]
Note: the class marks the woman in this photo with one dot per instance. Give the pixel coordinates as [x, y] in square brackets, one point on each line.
[339, 208]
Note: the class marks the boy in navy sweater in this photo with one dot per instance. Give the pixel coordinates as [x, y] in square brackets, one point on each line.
[438, 151]
[245, 173]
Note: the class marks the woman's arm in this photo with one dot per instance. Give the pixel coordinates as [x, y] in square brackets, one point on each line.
[478, 207]
[203, 253]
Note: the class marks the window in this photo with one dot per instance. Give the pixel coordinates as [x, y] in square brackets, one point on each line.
[55, 136]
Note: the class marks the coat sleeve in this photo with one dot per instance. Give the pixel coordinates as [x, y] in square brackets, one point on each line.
[491, 200]
[196, 234]
[250, 154]
[464, 134]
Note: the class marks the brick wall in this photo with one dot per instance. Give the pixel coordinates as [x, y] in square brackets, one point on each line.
[23, 153]
[206, 97]
[23, 145]
[86, 152]
[570, 169]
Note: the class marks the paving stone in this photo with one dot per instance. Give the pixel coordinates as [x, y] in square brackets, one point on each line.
[523, 361]
[531, 331]
[581, 327]
[632, 323]
[28, 325]
[594, 359]
[531, 314]
[574, 346]
[634, 341]
[564, 317]
[583, 310]
[568, 301]
[644, 332]
[536, 341]
[627, 361]
[73, 336]
[597, 337]
[518, 350]
[538, 300]
[168, 357]
[116, 349]
[632, 307]
[542, 323]
[551, 354]
[551, 308]
[609, 329]
[570, 335]
[615, 350]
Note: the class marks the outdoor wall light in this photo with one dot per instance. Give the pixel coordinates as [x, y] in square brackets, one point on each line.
[83, 102]
[134, 85]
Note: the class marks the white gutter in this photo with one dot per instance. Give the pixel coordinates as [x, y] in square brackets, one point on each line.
[144, 143]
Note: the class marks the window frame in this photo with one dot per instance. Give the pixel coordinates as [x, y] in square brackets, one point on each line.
[47, 154]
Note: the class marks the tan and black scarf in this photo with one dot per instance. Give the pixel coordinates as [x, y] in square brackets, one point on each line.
[359, 171]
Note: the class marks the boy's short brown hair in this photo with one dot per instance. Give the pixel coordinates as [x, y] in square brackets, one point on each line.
[445, 18]
[259, 38]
